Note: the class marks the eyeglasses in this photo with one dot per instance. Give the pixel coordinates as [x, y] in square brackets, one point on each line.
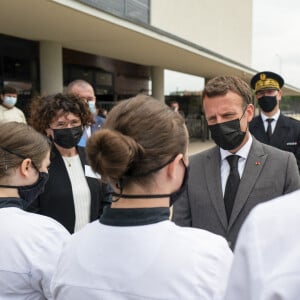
[63, 124]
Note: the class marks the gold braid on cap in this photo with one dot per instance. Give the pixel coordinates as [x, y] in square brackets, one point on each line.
[265, 82]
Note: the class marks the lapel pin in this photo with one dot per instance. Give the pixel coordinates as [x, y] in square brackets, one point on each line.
[257, 163]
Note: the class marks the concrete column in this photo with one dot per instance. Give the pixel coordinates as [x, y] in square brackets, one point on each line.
[51, 68]
[157, 76]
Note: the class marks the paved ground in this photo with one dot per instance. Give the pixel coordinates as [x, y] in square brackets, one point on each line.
[196, 145]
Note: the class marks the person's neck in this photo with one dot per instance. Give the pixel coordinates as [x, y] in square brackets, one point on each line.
[141, 203]
[7, 107]
[66, 152]
[9, 192]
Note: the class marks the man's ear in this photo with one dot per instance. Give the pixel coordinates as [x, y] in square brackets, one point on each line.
[250, 112]
[280, 95]
[172, 167]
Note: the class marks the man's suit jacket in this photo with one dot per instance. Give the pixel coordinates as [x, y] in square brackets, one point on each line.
[57, 200]
[99, 121]
[268, 173]
[286, 135]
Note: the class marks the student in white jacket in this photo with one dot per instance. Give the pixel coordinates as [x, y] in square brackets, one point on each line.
[267, 256]
[134, 251]
[30, 243]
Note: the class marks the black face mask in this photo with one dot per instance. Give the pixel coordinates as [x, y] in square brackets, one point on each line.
[173, 196]
[267, 103]
[228, 135]
[67, 137]
[28, 193]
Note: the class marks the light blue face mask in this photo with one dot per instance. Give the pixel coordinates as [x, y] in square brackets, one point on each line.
[10, 101]
[92, 107]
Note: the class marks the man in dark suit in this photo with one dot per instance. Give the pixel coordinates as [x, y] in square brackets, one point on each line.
[85, 91]
[228, 180]
[271, 126]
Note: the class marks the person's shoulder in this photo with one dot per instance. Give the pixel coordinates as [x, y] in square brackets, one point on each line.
[35, 227]
[205, 242]
[290, 120]
[204, 154]
[283, 209]
[99, 120]
[268, 149]
[46, 224]
[255, 121]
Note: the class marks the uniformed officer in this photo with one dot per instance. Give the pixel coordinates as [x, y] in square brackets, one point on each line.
[271, 126]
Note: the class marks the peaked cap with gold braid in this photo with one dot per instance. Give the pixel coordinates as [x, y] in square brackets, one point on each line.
[266, 81]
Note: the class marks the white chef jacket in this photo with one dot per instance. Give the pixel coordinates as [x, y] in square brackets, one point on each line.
[30, 246]
[267, 255]
[151, 261]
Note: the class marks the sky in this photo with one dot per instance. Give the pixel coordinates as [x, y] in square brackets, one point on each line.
[275, 45]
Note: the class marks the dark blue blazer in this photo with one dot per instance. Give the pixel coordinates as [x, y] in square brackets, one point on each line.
[286, 135]
[94, 127]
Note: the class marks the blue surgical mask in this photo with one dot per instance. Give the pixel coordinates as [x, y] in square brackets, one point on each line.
[10, 101]
[92, 107]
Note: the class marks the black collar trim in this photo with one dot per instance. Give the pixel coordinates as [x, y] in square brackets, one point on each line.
[10, 202]
[134, 216]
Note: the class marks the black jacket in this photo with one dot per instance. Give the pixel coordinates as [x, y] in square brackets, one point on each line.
[57, 199]
[286, 135]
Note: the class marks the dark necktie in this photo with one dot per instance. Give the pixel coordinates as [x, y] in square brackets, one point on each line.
[269, 128]
[232, 184]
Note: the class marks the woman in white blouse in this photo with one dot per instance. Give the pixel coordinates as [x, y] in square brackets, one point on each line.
[73, 195]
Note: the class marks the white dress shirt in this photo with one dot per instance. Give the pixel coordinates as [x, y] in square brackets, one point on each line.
[30, 247]
[155, 261]
[267, 255]
[225, 168]
[273, 123]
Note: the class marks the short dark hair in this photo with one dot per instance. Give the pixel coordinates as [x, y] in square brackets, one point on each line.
[9, 90]
[221, 85]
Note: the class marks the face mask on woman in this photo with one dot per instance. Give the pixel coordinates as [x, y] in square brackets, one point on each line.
[28, 193]
[67, 137]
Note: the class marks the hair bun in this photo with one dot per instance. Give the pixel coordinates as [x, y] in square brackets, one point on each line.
[111, 153]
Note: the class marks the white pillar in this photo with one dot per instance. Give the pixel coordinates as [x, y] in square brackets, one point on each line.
[157, 76]
[51, 68]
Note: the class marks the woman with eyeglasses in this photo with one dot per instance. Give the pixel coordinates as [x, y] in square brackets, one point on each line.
[30, 244]
[134, 251]
[73, 194]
